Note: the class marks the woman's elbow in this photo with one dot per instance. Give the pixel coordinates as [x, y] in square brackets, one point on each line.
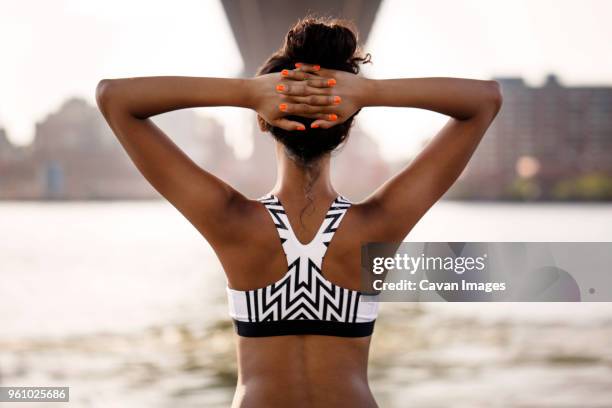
[494, 96]
[105, 94]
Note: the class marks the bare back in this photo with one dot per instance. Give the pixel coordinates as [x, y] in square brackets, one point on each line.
[299, 370]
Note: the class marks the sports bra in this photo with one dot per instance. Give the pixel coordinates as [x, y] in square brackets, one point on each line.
[303, 301]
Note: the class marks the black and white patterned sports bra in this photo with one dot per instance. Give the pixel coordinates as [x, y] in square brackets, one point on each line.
[303, 301]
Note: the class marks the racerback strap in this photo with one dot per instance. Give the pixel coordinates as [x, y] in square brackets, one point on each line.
[315, 250]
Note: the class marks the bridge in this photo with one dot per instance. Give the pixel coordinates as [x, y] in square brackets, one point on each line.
[259, 26]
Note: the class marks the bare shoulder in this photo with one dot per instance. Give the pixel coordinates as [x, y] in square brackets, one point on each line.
[368, 221]
[243, 220]
[247, 243]
[356, 226]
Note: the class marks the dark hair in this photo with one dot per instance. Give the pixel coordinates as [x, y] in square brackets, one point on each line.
[330, 43]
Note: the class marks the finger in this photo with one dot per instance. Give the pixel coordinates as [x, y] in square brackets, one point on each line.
[288, 124]
[309, 111]
[300, 89]
[322, 124]
[321, 82]
[324, 116]
[307, 67]
[298, 108]
[295, 75]
[318, 100]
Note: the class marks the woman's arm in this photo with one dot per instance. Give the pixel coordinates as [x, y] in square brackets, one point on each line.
[395, 207]
[471, 104]
[458, 98]
[127, 104]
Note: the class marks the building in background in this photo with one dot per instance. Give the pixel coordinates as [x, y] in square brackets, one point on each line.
[550, 142]
[547, 143]
[74, 156]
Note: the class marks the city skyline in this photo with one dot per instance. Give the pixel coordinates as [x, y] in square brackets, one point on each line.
[75, 156]
[66, 46]
[550, 142]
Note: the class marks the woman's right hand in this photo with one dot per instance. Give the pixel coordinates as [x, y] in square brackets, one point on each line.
[299, 92]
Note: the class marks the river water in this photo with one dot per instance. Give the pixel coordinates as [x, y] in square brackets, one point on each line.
[124, 302]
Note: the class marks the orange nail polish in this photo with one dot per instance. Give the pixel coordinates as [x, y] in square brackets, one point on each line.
[301, 127]
[316, 67]
[282, 106]
[337, 100]
[333, 117]
[285, 72]
[331, 82]
[314, 125]
[298, 64]
[280, 87]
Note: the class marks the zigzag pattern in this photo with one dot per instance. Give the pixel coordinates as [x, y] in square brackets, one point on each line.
[303, 293]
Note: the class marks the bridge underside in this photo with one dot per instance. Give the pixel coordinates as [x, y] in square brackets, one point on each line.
[259, 26]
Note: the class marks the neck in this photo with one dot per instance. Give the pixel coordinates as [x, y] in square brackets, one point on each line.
[294, 181]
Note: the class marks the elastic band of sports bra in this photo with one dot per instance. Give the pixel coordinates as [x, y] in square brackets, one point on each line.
[296, 327]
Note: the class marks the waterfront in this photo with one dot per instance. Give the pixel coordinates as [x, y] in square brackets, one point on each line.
[124, 302]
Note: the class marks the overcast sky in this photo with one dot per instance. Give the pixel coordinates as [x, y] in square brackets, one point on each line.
[52, 50]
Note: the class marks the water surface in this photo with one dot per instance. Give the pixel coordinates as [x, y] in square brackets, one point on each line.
[124, 302]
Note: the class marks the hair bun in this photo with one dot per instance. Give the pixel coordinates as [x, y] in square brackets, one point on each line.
[315, 41]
